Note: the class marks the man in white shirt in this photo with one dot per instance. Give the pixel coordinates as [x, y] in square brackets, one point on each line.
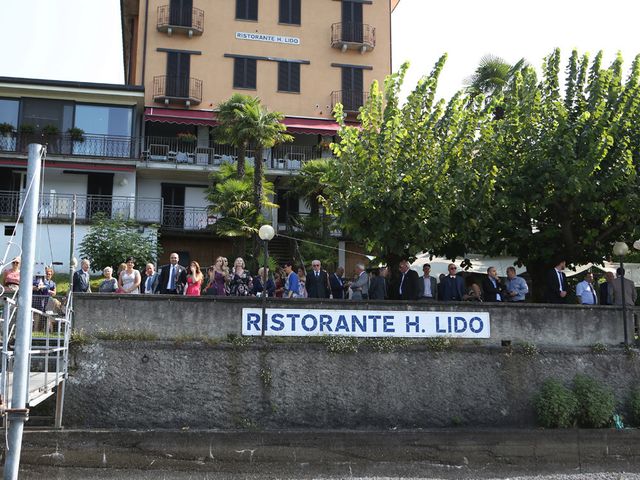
[150, 280]
[428, 285]
[585, 292]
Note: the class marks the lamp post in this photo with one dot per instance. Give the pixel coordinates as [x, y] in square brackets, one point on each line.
[265, 233]
[620, 249]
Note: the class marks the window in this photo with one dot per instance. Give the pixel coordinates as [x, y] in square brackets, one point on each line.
[180, 12]
[107, 131]
[352, 83]
[178, 71]
[290, 11]
[351, 21]
[244, 73]
[246, 9]
[9, 111]
[288, 77]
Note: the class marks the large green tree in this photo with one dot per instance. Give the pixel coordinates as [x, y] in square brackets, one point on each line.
[567, 162]
[233, 126]
[407, 180]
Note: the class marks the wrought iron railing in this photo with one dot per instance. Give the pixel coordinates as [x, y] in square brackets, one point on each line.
[177, 89]
[86, 145]
[357, 34]
[351, 100]
[179, 217]
[301, 221]
[180, 19]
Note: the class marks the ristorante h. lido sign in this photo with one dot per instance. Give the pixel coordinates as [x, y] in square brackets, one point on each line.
[265, 37]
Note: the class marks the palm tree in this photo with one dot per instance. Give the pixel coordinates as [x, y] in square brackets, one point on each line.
[492, 75]
[233, 126]
[311, 183]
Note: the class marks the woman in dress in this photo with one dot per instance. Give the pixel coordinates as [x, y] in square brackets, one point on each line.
[11, 277]
[194, 280]
[129, 279]
[240, 281]
[302, 277]
[109, 284]
[217, 279]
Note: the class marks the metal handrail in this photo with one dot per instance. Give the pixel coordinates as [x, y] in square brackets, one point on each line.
[353, 33]
[194, 22]
[85, 145]
[351, 100]
[177, 88]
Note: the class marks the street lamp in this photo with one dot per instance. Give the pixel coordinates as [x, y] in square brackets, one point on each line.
[620, 249]
[265, 233]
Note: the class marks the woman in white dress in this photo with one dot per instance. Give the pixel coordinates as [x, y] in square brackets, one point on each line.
[129, 279]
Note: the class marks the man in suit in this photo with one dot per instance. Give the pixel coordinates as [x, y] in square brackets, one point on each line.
[172, 277]
[408, 286]
[81, 278]
[556, 284]
[492, 288]
[606, 289]
[377, 284]
[428, 285]
[336, 280]
[452, 286]
[630, 293]
[149, 284]
[317, 281]
[360, 284]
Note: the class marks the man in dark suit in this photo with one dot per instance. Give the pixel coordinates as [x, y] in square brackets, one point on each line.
[428, 285]
[317, 284]
[378, 284]
[452, 286]
[149, 283]
[81, 278]
[492, 287]
[556, 284]
[172, 277]
[408, 287]
[606, 289]
[336, 280]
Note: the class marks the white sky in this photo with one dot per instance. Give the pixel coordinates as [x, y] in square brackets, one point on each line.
[466, 30]
[81, 40]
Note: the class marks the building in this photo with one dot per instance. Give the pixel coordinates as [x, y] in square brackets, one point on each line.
[146, 149]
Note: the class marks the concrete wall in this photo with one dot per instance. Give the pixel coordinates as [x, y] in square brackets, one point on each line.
[170, 317]
[269, 385]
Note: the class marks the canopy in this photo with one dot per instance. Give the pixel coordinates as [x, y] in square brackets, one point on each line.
[180, 117]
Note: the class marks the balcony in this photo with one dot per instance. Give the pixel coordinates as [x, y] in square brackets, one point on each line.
[173, 151]
[181, 218]
[104, 146]
[357, 36]
[182, 21]
[176, 89]
[351, 100]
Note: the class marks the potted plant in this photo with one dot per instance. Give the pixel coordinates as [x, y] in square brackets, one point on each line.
[76, 134]
[27, 129]
[187, 137]
[6, 129]
[50, 130]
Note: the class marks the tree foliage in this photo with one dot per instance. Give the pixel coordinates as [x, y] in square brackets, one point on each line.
[408, 180]
[231, 201]
[567, 163]
[111, 240]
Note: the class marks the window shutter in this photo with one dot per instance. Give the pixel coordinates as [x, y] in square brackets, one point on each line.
[252, 14]
[284, 11]
[294, 85]
[296, 12]
[358, 85]
[251, 72]
[238, 72]
[283, 76]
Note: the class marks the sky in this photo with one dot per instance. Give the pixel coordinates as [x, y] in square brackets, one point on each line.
[67, 37]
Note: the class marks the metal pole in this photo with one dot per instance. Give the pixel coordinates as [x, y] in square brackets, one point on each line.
[72, 241]
[624, 303]
[18, 413]
[264, 287]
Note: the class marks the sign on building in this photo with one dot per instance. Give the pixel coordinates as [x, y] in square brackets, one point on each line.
[290, 322]
[264, 37]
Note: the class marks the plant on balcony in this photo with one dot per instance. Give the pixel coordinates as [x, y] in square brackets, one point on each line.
[187, 137]
[76, 134]
[6, 128]
[50, 130]
[27, 129]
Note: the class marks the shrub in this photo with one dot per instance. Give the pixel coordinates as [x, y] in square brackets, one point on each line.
[634, 406]
[596, 402]
[556, 406]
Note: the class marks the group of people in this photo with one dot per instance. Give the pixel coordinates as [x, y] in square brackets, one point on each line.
[295, 282]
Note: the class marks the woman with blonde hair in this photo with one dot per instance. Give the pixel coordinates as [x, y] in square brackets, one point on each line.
[194, 280]
[217, 279]
[240, 280]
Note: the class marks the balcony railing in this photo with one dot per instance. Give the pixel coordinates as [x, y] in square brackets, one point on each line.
[178, 217]
[169, 150]
[177, 89]
[296, 223]
[180, 20]
[106, 146]
[351, 100]
[345, 35]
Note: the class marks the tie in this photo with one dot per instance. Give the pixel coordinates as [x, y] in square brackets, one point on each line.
[317, 274]
[401, 282]
[593, 294]
[171, 279]
[148, 284]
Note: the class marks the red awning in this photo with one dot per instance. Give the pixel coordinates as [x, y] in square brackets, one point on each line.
[181, 117]
[309, 125]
